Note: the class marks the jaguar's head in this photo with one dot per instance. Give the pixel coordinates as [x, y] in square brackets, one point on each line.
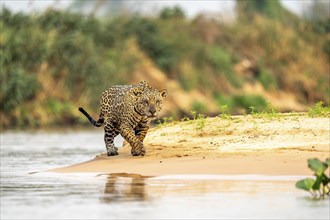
[149, 101]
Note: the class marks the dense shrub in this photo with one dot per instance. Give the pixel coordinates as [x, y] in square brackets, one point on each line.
[54, 61]
[249, 102]
[18, 88]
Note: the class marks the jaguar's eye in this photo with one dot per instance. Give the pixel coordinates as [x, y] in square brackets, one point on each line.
[157, 102]
[146, 101]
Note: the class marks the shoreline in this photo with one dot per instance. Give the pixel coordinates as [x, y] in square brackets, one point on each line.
[271, 163]
[237, 146]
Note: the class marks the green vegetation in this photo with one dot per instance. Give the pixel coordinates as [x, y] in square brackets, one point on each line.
[270, 9]
[199, 120]
[198, 107]
[18, 88]
[319, 110]
[165, 121]
[246, 101]
[319, 187]
[269, 112]
[55, 61]
[224, 112]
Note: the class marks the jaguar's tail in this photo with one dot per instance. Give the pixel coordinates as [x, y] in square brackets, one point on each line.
[97, 123]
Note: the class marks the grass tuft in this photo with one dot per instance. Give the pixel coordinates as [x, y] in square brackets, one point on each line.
[319, 110]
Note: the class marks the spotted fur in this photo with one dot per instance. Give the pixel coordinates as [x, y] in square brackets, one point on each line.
[128, 110]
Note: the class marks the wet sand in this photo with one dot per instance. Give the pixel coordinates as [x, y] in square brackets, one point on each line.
[240, 145]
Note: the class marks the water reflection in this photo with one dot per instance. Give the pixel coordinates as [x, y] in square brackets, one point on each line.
[131, 196]
[123, 187]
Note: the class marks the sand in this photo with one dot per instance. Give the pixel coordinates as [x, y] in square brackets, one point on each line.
[240, 145]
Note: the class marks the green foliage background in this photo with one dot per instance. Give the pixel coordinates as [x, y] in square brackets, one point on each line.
[54, 61]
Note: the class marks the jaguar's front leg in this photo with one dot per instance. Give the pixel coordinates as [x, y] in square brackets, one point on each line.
[141, 130]
[137, 145]
[109, 135]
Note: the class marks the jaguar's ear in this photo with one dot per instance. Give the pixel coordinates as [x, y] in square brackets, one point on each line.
[137, 91]
[143, 83]
[163, 93]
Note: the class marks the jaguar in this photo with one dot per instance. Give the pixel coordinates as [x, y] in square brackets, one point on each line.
[128, 110]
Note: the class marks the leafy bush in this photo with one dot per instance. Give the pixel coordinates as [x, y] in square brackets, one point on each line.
[171, 12]
[271, 9]
[266, 77]
[72, 58]
[19, 87]
[222, 63]
[319, 187]
[149, 39]
[246, 101]
[198, 106]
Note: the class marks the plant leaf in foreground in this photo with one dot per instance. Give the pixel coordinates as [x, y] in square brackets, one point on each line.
[305, 184]
[317, 166]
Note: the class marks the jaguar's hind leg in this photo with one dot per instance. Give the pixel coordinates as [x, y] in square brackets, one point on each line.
[109, 135]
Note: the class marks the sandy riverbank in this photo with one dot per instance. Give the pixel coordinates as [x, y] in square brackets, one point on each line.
[239, 145]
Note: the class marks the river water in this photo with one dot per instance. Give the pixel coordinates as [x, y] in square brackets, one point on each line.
[27, 193]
